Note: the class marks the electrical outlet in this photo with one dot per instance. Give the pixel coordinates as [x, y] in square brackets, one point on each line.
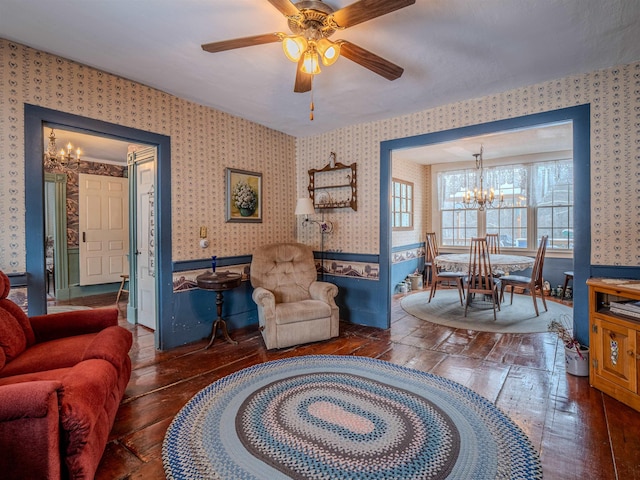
[203, 232]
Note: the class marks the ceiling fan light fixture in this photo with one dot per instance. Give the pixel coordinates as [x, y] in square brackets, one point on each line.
[294, 47]
[310, 64]
[329, 51]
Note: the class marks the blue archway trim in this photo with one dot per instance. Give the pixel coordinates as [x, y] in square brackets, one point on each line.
[34, 119]
[580, 116]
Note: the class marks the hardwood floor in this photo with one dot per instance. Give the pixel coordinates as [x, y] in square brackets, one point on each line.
[580, 432]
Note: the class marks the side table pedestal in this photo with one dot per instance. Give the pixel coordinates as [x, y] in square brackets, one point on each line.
[219, 282]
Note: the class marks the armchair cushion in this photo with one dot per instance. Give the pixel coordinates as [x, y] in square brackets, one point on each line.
[301, 311]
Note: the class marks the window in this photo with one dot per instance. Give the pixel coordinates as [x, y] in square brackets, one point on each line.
[537, 201]
[402, 205]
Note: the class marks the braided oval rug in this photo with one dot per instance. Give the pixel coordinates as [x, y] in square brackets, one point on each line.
[343, 417]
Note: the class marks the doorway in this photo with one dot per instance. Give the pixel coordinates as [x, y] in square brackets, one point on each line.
[35, 119]
[89, 224]
[580, 117]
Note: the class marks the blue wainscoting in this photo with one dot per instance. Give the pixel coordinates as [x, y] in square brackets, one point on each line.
[362, 299]
[195, 312]
[405, 260]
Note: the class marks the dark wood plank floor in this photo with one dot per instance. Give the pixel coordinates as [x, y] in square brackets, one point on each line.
[580, 432]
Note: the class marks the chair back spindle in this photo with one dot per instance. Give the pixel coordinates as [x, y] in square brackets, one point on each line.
[481, 280]
[493, 243]
[534, 283]
[438, 276]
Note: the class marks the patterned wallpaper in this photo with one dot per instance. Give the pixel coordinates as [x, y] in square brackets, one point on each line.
[614, 95]
[204, 142]
[420, 175]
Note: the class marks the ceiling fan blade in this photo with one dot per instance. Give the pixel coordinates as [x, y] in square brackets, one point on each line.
[285, 7]
[240, 42]
[366, 10]
[369, 60]
[303, 80]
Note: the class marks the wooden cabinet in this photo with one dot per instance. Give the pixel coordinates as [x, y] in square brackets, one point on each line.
[614, 340]
[334, 186]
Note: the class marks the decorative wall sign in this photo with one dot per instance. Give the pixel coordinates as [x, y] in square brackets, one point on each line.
[152, 232]
[244, 196]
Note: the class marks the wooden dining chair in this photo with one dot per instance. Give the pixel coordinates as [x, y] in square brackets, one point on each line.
[532, 283]
[429, 255]
[438, 276]
[480, 278]
[493, 243]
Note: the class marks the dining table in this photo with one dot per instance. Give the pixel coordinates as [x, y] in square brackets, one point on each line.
[501, 264]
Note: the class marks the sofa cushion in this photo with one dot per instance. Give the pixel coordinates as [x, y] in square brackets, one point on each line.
[14, 310]
[60, 353]
[44, 376]
[12, 338]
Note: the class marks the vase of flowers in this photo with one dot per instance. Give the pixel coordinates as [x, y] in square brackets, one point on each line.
[245, 198]
[576, 356]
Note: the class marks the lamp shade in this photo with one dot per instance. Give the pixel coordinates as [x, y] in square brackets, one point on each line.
[304, 206]
[294, 47]
[310, 64]
[328, 50]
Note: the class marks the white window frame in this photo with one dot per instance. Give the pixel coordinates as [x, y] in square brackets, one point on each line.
[408, 202]
[531, 209]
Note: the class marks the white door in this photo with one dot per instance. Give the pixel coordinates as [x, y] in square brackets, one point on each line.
[104, 228]
[145, 284]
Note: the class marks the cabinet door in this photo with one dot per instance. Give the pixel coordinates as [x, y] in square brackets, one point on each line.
[616, 349]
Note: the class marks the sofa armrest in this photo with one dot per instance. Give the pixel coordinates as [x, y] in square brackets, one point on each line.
[324, 291]
[111, 344]
[77, 322]
[29, 430]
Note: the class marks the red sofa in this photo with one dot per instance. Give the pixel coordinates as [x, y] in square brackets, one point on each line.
[62, 377]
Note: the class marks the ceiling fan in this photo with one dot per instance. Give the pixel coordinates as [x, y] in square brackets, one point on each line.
[312, 22]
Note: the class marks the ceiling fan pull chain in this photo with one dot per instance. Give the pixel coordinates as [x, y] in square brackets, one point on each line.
[311, 106]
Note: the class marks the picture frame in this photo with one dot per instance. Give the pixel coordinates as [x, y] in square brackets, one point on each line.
[243, 196]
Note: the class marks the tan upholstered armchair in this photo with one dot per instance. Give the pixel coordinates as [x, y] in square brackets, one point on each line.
[293, 307]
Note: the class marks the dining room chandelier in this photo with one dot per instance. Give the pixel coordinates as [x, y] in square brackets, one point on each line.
[62, 159]
[482, 198]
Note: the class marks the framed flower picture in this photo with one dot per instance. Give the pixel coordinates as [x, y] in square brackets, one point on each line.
[244, 196]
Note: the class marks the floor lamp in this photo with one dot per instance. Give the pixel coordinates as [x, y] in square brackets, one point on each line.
[304, 206]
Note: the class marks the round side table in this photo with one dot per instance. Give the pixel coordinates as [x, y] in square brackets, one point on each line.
[219, 282]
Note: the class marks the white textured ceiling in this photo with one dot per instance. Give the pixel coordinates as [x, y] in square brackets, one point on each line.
[450, 49]
[554, 139]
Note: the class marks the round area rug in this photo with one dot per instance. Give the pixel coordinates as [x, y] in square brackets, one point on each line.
[520, 317]
[342, 417]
